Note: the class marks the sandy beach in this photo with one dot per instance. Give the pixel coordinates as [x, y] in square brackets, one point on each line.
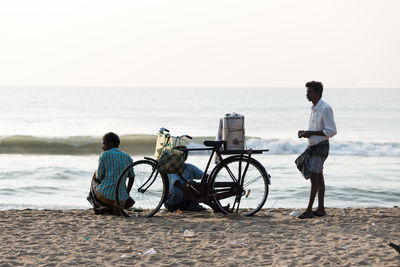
[345, 237]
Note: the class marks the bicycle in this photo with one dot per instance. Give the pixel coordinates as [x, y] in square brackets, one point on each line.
[236, 181]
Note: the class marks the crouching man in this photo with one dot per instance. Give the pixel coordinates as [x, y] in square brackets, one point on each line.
[111, 163]
[177, 198]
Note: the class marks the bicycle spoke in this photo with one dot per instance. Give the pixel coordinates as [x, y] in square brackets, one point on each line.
[252, 181]
[150, 192]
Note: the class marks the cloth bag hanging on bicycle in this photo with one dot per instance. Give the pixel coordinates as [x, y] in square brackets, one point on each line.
[171, 161]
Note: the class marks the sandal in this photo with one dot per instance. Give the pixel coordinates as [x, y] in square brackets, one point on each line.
[306, 215]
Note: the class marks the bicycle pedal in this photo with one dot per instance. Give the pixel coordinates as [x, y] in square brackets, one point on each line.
[248, 193]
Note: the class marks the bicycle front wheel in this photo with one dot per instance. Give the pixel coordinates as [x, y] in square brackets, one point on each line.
[149, 189]
[240, 185]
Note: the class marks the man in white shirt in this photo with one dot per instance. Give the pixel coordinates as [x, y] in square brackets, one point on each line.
[321, 127]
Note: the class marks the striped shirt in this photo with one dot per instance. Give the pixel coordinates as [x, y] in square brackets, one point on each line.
[111, 163]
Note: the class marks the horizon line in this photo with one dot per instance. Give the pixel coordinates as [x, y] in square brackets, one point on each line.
[136, 86]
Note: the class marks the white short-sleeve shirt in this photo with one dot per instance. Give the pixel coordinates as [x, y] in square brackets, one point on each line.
[321, 119]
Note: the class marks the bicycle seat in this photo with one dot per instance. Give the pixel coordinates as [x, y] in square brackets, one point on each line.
[214, 143]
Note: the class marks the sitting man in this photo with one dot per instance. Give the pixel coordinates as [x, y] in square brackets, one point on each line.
[178, 199]
[111, 163]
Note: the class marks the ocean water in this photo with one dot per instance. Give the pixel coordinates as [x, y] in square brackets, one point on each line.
[50, 139]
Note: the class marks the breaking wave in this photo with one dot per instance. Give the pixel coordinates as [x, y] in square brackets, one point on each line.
[286, 146]
[145, 144]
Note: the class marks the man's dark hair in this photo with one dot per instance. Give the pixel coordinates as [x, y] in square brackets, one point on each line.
[184, 150]
[111, 138]
[316, 86]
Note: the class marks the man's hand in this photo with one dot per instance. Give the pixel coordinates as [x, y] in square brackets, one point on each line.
[305, 134]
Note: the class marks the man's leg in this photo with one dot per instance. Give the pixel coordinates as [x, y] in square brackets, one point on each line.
[321, 195]
[313, 191]
[192, 206]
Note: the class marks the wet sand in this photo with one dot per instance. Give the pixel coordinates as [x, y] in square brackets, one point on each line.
[345, 237]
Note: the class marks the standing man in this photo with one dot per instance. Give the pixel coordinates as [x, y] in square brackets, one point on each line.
[111, 163]
[311, 162]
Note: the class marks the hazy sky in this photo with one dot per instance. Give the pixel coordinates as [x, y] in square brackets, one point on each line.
[343, 43]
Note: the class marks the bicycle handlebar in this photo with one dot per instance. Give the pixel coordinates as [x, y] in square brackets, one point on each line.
[162, 130]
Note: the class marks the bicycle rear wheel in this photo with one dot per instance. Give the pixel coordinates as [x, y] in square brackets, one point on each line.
[149, 189]
[240, 185]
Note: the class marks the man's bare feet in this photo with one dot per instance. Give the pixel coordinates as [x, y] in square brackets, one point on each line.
[319, 213]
